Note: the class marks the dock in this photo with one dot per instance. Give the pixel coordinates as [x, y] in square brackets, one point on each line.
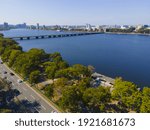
[102, 80]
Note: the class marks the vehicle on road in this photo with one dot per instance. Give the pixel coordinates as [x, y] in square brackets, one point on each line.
[19, 81]
[9, 82]
[16, 92]
[11, 74]
[5, 72]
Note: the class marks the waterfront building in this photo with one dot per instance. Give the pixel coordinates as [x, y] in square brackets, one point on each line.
[44, 27]
[38, 26]
[21, 25]
[145, 26]
[100, 28]
[32, 27]
[142, 27]
[148, 27]
[88, 27]
[139, 27]
[125, 27]
[6, 26]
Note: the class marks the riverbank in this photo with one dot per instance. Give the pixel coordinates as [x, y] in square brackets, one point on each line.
[120, 33]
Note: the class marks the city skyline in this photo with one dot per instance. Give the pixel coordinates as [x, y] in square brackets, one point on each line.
[65, 12]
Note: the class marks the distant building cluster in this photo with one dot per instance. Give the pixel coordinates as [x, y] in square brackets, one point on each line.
[87, 27]
[6, 26]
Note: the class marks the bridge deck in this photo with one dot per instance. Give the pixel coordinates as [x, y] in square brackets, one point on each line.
[52, 36]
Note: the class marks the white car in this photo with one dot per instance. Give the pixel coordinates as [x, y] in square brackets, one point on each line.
[19, 81]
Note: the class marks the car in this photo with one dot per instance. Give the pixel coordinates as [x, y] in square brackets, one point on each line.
[5, 72]
[9, 82]
[19, 81]
[11, 74]
[16, 92]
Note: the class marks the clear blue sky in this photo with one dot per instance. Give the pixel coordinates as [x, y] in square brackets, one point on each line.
[50, 12]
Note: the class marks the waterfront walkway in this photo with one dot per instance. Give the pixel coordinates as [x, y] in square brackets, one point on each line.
[104, 80]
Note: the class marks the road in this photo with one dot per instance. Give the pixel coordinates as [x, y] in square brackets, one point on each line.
[26, 92]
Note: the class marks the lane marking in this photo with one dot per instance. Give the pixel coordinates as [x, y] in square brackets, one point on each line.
[32, 96]
[37, 110]
[43, 107]
[17, 76]
[26, 98]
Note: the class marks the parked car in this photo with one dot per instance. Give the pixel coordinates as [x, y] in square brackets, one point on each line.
[11, 74]
[19, 81]
[5, 72]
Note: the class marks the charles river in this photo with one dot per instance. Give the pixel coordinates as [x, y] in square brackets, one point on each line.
[113, 55]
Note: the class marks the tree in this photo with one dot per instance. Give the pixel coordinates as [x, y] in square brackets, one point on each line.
[1, 35]
[96, 99]
[123, 89]
[49, 91]
[91, 69]
[55, 54]
[13, 55]
[50, 71]
[36, 56]
[56, 57]
[81, 70]
[127, 94]
[145, 107]
[62, 73]
[84, 84]
[61, 83]
[29, 61]
[63, 65]
[6, 54]
[34, 76]
[71, 99]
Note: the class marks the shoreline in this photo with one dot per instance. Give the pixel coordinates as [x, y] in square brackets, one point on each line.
[119, 33]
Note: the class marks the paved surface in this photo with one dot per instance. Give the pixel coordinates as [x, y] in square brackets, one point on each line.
[103, 77]
[102, 80]
[27, 93]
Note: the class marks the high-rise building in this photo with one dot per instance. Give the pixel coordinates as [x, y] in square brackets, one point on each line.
[21, 25]
[88, 27]
[44, 27]
[6, 26]
[24, 25]
[37, 26]
[100, 28]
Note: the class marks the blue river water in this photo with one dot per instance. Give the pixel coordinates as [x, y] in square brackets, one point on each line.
[114, 55]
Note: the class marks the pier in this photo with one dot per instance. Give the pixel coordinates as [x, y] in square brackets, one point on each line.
[102, 80]
[53, 36]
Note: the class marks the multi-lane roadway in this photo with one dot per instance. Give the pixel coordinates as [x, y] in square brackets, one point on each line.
[26, 92]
